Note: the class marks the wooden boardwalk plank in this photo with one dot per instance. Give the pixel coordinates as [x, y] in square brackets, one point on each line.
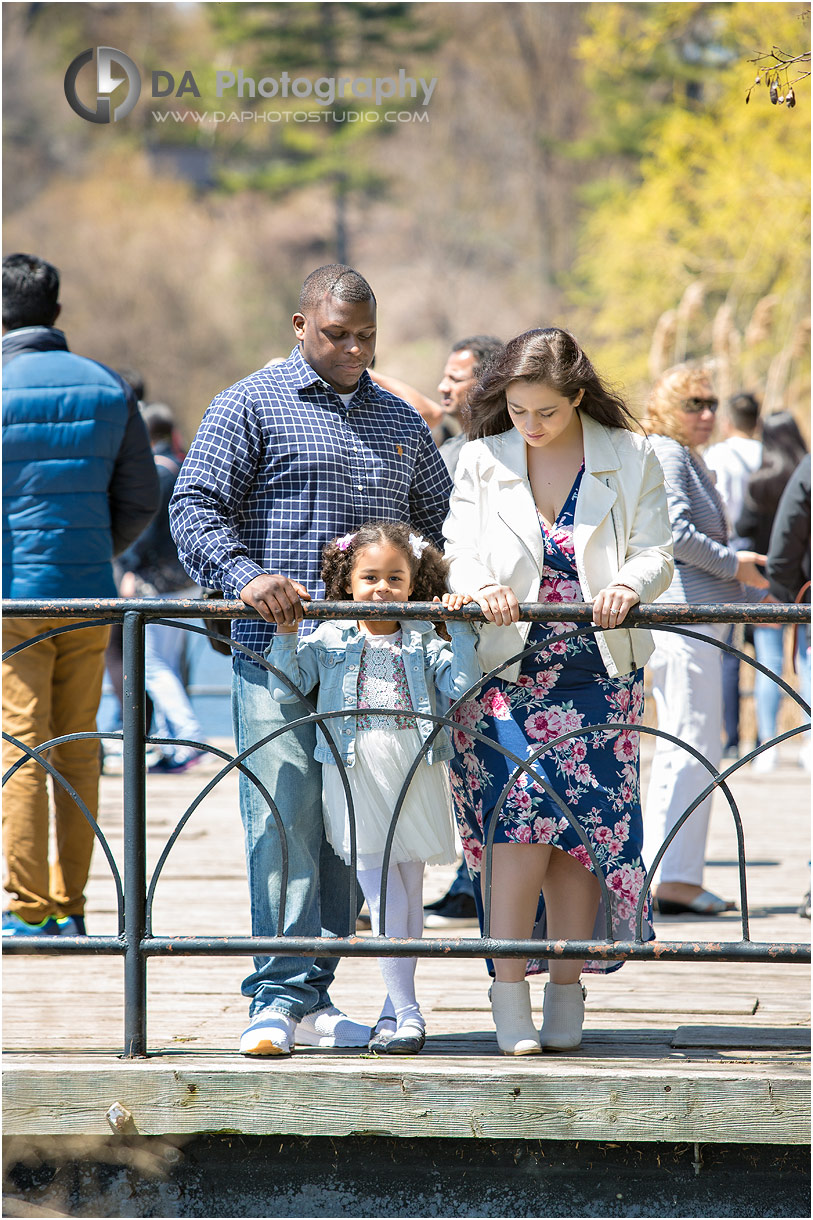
[490, 1098]
[672, 1050]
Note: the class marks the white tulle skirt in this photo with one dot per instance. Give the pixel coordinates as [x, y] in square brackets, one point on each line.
[383, 758]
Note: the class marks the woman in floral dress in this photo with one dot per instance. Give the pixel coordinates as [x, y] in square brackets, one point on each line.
[556, 499]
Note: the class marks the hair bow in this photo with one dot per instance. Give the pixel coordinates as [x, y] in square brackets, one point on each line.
[418, 545]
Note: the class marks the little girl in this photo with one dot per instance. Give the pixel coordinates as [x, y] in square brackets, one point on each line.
[382, 663]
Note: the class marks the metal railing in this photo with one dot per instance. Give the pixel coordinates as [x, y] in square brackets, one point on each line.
[135, 896]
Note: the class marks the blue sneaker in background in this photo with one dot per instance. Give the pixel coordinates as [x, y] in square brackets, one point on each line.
[13, 925]
[72, 925]
[175, 765]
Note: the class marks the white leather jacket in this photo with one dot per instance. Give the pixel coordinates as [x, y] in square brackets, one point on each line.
[621, 534]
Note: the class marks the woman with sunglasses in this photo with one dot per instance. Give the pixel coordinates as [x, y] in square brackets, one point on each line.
[686, 674]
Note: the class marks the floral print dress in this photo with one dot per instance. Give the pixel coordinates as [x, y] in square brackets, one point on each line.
[561, 687]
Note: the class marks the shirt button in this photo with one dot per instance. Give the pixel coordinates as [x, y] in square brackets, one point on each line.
[361, 487]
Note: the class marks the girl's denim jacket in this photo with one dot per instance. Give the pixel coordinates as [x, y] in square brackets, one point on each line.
[331, 657]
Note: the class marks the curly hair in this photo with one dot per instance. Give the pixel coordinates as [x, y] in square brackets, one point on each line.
[429, 571]
[664, 407]
[551, 356]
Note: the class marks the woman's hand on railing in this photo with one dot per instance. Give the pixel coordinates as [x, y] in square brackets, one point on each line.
[276, 599]
[612, 605]
[747, 571]
[498, 603]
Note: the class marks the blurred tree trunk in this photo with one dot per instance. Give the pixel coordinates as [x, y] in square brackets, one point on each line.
[545, 36]
[327, 30]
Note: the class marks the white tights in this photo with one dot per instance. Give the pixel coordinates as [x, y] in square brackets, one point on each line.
[404, 919]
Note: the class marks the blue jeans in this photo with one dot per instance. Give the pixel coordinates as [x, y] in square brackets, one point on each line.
[803, 662]
[768, 646]
[173, 715]
[319, 883]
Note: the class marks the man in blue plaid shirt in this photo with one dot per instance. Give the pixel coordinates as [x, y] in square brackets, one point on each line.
[283, 461]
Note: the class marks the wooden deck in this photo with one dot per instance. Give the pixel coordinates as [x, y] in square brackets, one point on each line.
[672, 1051]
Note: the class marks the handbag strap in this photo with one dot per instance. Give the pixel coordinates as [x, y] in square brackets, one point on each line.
[800, 596]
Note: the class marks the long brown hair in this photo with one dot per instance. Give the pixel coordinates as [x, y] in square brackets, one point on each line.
[552, 356]
[783, 448]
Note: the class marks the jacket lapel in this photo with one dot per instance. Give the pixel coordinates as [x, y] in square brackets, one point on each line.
[515, 502]
[596, 498]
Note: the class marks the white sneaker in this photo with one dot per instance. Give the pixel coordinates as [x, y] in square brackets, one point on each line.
[271, 1032]
[329, 1027]
[764, 763]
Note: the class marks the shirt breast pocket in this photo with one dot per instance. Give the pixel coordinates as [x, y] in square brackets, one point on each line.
[391, 464]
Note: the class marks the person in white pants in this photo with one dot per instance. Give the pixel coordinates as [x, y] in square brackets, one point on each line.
[687, 687]
[687, 673]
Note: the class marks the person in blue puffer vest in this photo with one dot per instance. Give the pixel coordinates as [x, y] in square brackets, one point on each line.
[79, 485]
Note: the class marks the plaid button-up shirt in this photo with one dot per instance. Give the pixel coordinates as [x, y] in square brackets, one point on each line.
[280, 465]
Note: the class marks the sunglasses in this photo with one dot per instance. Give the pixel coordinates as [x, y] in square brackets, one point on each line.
[695, 406]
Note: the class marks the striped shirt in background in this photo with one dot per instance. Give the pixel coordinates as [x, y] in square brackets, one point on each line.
[705, 565]
[280, 465]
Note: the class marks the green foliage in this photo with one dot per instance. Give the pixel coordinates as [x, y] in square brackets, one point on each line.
[276, 157]
[317, 40]
[322, 36]
[639, 59]
[720, 195]
[683, 200]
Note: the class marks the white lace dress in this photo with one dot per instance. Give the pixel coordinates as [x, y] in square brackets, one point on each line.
[386, 747]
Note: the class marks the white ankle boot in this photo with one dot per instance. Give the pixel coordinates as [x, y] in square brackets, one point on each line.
[511, 1009]
[562, 1016]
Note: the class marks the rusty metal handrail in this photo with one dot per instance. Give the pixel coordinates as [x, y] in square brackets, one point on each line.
[113, 609]
[135, 940]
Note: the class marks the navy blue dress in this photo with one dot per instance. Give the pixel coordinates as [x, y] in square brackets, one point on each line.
[562, 687]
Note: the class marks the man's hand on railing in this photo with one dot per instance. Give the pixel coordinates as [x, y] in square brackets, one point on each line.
[276, 599]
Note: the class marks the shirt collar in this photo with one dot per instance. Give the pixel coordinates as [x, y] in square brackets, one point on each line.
[302, 376]
[408, 626]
